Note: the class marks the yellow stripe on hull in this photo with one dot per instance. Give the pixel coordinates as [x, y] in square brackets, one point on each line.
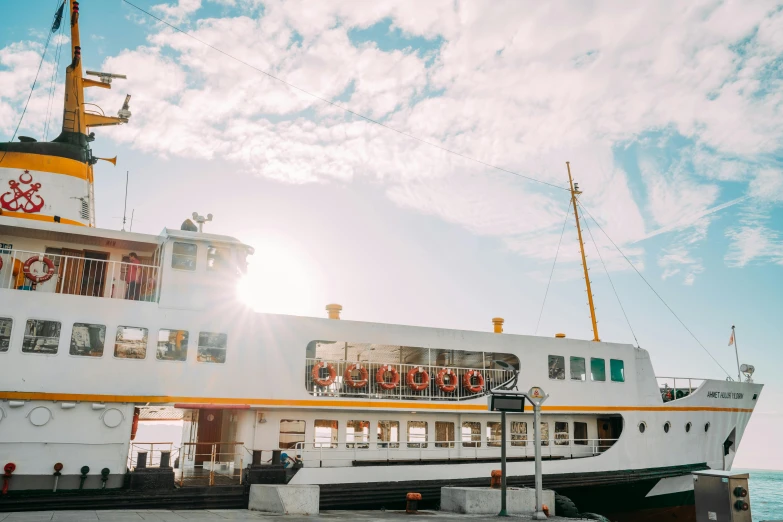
[39, 217]
[353, 404]
[44, 163]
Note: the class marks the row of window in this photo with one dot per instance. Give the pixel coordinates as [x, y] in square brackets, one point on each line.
[668, 425]
[357, 434]
[88, 340]
[184, 255]
[557, 369]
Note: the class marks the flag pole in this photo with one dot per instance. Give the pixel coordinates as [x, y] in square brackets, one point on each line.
[736, 352]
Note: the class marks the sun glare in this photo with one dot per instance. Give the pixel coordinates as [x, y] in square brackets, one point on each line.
[280, 279]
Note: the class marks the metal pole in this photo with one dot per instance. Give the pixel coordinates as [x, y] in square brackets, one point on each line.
[503, 512]
[539, 514]
[736, 352]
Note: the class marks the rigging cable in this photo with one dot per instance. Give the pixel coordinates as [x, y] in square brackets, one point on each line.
[568, 212]
[53, 86]
[341, 107]
[653, 289]
[587, 226]
[32, 88]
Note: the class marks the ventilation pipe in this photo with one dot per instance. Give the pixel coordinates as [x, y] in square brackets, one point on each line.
[498, 322]
[334, 310]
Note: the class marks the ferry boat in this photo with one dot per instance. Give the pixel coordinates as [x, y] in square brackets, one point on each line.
[367, 411]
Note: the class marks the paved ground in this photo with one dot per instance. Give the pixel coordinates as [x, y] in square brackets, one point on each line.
[217, 515]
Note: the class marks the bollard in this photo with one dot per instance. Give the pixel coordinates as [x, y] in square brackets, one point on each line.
[545, 509]
[256, 457]
[412, 503]
[141, 460]
[104, 477]
[8, 469]
[495, 479]
[58, 468]
[84, 471]
[276, 457]
[165, 459]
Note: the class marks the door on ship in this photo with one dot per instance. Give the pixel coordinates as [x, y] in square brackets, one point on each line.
[609, 430]
[209, 431]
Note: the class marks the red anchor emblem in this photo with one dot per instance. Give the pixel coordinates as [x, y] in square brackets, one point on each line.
[19, 199]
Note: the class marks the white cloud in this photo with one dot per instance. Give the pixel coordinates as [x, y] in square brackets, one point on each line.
[179, 12]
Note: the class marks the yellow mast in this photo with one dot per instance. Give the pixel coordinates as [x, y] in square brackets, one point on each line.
[574, 193]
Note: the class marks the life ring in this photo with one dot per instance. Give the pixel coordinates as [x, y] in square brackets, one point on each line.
[381, 373]
[317, 374]
[440, 380]
[38, 278]
[1, 263]
[135, 423]
[410, 379]
[467, 381]
[348, 376]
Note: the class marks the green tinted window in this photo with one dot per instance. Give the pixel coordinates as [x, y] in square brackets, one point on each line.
[617, 370]
[597, 369]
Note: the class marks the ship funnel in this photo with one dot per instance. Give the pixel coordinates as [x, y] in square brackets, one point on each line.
[498, 322]
[113, 160]
[334, 310]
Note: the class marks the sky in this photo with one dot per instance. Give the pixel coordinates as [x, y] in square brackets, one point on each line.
[670, 113]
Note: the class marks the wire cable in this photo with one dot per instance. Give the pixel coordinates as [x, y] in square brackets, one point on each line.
[341, 107]
[541, 313]
[53, 87]
[587, 226]
[653, 289]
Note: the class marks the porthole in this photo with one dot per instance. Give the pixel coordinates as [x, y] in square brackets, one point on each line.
[642, 427]
[667, 426]
[688, 428]
[706, 427]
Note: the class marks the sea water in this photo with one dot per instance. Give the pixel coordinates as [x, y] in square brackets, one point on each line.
[766, 494]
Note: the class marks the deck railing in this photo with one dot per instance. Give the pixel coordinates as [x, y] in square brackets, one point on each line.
[373, 388]
[216, 463]
[673, 388]
[79, 276]
[153, 451]
[318, 454]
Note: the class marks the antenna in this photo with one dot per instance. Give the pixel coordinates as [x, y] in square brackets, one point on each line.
[107, 77]
[125, 208]
[201, 220]
[131, 223]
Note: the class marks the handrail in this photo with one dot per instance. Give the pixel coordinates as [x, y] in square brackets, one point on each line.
[675, 392]
[215, 453]
[151, 452]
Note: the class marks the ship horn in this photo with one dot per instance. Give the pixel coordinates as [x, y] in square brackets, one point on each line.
[113, 160]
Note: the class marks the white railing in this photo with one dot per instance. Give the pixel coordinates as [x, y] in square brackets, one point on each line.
[673, 388]
[343, 454]
[373, 389]
[80, 276]
[153, 451]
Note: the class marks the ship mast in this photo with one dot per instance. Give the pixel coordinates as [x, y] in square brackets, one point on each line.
[575, 192]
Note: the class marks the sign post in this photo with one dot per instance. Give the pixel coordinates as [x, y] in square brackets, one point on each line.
[505, 402]
[537, 396]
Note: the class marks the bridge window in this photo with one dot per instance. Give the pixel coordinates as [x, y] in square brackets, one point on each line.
[417, 434]
[41, 336]
[519, 433]
[212, 347]
[578, 369]
[357, 434]
[218, 258]
[6, 325]
[471, 434]
[131, 342]
[292, 432]
[556, 367]
[388, 434]
[172, 345]
[444, 434]
[183, 256]
[545, 434]
[325, 434]
[617, 370]
[597, 369]
[561, 434]
[88, 339]
[580, 433]
[494, 434]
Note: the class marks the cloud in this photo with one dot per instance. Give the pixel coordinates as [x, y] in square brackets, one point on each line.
[179, 12]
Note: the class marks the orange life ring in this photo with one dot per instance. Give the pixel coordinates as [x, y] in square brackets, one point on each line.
[410, 379]
[1, 263]
[38, 278]
[348, 376]
[440, 380]
[467, 381]
[381, 373]
[135, 423]
[317, 374]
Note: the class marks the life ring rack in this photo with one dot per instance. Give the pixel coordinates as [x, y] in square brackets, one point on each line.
[467, 381]
[316, 374]
[410, 379]
[382, 382]
[440, 380]
[363, 376]
[38, 278]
